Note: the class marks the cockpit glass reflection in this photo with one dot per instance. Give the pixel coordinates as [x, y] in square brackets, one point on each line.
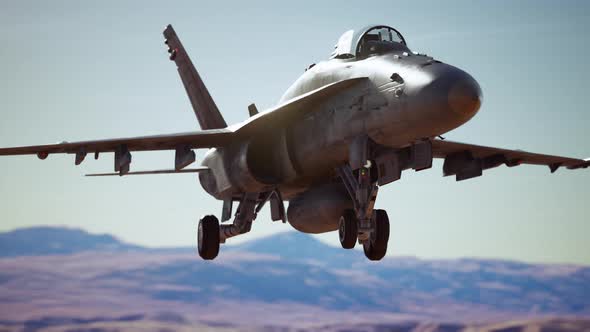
[380, 40]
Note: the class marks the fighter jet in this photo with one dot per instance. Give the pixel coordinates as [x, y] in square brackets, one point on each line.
[346, 127]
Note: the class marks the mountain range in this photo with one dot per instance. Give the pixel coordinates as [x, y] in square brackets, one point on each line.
[51, 276]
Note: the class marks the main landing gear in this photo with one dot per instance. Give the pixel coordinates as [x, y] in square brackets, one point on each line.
[371, 165]
[208, 237]
[210, 233]
[375, 247]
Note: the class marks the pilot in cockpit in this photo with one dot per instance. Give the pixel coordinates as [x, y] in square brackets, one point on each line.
[380, 40]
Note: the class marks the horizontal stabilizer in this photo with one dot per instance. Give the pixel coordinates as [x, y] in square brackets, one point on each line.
[161, 171]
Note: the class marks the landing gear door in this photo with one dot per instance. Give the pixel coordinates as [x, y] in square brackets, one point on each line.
[388, 168]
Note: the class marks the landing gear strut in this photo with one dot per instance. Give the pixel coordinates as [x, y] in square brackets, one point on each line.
[370, 227]
[211, 234]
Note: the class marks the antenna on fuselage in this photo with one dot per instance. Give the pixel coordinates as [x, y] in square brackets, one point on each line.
[252, 109]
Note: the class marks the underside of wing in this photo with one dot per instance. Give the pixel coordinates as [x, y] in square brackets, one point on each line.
[468, 160]
[193, 140]
[182, 143]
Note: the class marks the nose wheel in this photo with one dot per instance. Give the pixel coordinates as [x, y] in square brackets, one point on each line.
[208, 237]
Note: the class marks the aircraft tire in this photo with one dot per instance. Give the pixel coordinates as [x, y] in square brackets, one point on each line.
[348, 229]
[376, 248]
[208, 237]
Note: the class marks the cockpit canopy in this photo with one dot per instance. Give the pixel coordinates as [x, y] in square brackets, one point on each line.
[371, 40]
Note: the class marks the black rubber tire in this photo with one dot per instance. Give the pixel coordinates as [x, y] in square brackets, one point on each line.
[348, 229]
[208, 237]
[376, 248]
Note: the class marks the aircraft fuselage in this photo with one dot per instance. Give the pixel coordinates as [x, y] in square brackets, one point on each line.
[407, 97]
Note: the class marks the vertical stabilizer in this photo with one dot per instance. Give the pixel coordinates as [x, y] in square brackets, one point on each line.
[205, 109]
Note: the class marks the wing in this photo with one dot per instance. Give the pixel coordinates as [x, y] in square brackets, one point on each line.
[182, 143]
[277, 116]
[194, 140]
[468, 160]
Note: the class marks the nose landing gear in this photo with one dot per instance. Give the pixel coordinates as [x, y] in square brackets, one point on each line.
[370, 227]
[210, 234]
[375, 247]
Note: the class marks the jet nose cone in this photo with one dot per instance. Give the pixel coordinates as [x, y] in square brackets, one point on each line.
[449, 94]
[440, 98]
[464, 95]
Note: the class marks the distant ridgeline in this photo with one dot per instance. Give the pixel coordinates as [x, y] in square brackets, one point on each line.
[287, 268]
[39, 241]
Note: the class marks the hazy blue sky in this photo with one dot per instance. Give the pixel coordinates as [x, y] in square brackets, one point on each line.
[87, 70]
